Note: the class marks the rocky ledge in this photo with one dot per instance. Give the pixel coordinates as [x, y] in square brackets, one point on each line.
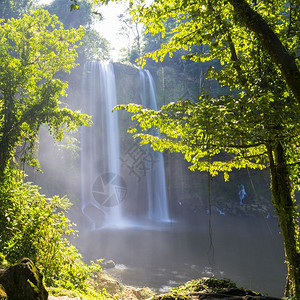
[209, 289]
[24, 281]
[119, 291]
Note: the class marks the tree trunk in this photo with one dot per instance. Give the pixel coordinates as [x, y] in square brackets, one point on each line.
[286, 209]
[4, 159]
[278, 53]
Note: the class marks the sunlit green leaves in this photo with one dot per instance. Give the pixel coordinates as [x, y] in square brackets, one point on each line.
[36, 227]
[211, 136]
[254, 125]
[33, 50]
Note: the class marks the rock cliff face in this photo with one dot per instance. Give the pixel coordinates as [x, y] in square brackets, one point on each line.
[170, 85]
[127, 83]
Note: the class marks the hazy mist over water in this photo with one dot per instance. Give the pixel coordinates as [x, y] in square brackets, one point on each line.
[247, 250]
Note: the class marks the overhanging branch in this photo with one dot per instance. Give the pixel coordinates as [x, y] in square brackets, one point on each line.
[278, 53]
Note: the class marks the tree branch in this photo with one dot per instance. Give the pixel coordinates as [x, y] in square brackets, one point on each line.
[278, 53]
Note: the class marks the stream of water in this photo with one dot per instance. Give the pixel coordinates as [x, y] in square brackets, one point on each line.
[103, 188]
[100, 147]
[155, 178]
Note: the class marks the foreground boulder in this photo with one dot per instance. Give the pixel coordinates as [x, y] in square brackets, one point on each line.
[107, 264]
[209, 289]
[23, 281]
[119, 291]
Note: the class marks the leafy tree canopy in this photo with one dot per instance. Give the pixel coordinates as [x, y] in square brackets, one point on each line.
[260, 108]
[74, 19]
[93, 46]
[228, 27]
[33, 50]
[14, 8]
[215, 135]
[257, 123]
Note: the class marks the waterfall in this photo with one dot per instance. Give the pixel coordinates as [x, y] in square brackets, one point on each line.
[102, 187]
[158, 209]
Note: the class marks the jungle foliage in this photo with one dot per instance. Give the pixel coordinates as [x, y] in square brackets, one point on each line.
[36, 227]
[256, 123]
[15, 8]
[92, 46]
[34, 49]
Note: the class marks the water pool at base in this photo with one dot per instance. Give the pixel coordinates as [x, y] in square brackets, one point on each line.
[248, 251]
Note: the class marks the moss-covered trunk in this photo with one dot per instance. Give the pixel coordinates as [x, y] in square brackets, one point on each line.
[286, 209]
[5, 156]
[3, 162]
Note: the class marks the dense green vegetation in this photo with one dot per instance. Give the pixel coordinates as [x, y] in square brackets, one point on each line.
[253, 124]
[31, 55]
[35, 226]
[92, 46]
[256, 123]
[35, 52]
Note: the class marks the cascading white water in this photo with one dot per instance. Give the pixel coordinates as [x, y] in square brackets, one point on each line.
[158, 208]
[101, 184]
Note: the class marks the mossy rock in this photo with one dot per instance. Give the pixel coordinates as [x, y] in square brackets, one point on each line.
[119, 291]
[210, 288]
[143, 293]
[107, 283]
[23, 281]
[107, 264]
